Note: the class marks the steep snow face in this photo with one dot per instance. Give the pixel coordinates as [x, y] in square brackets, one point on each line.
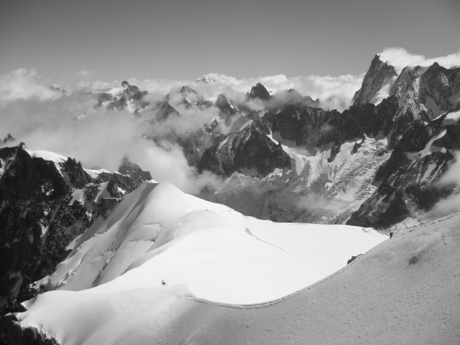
[376, 84]
[201, 250]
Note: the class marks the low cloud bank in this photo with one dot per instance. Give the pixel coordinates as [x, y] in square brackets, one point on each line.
[69, 125]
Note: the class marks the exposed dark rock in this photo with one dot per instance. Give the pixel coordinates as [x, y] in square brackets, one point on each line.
[9, 138]
[226, 108]
[379, 74]
[438, 86]
[353, 258]
[166, 111]
[407, 181]
[44, 205]
[14, 334]
[136, 174]
[246, 149]
[259, 91]
[313, 127]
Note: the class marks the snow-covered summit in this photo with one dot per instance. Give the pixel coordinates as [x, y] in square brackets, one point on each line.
[206, 250]
[217, 78]
[380, 292]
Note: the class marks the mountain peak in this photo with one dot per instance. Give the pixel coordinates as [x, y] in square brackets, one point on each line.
[259, 91]
[376, 83]
[186, 90]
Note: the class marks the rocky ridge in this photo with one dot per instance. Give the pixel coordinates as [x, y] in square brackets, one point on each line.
[288, 147]
[46, 201]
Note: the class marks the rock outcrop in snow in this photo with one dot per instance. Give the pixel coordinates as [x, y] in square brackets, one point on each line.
[46, 201]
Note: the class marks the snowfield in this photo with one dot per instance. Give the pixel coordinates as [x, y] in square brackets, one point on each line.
[204, 252]
[405, 291]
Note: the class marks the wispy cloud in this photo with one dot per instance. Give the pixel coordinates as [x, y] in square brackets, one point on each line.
[400, 58]
[450, 204]
[84, 73]
[25, 84]
[100, 138]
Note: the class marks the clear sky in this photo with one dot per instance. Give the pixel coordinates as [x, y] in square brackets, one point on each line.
[186, 39]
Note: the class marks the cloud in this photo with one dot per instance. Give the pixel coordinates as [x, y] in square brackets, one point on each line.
[400, 58]
[84, 73]
[313, 201]
[190, 120]
[451, 204]
[333, 92]
[100, 138]
[25, 84]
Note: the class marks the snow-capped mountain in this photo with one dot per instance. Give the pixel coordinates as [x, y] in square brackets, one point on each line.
[247, 149]
[423, 91]
[290, 151]
[160, 242]
[47, 200]
[169, 268]
[137, 259]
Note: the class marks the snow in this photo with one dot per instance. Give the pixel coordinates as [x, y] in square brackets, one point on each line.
[48, 156]
[115, 91]
[451, 118]
[204, 252]
[217, 246]
[79, 196]
[94, 173]
[429, 146]
[404, 291]
[55, 158]
[384, 91]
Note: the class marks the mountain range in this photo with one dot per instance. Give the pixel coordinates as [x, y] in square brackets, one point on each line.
[120, 240]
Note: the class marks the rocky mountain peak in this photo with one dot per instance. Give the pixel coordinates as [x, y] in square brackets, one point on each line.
[165, 111]
[8, 138]
[226, 107]
[376, 83]
[134, 171]
[187, 90]
[246, 149]
[259, 91]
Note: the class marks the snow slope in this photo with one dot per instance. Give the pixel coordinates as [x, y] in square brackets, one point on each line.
[405, 291]
[203, 251]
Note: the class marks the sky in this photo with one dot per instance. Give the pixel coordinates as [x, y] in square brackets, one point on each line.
[144, 39]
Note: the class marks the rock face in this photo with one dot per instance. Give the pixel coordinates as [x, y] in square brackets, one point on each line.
[376, 83]
[226, 107]
[391, 120]
[440, 89]
[246, 149]
[259, 91]
[17, 335]
[407, 180]
[131, 97]
[46, 201]
[313, 127]
[165, 111]
[291, 97]
[188, 98]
